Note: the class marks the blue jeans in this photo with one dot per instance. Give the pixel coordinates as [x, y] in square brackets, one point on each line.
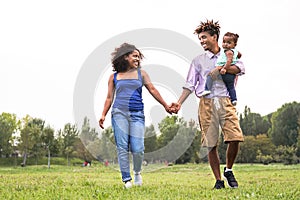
[229, 80]
[129, 131]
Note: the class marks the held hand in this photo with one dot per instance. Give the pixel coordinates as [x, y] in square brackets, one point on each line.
[223, 71]
[175, 107]
[214, 73]
[168, 109]
[101, 121]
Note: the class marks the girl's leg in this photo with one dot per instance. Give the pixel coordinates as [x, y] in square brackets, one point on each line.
[137, 131]
[229, 80]
[208, 83]
[120, 126]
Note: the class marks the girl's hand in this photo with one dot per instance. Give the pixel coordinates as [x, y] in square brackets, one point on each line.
[175, 107]
[168, 109]
[101, 121]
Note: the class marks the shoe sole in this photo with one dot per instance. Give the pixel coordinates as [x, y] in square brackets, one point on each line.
[128, 186]
[235, 187]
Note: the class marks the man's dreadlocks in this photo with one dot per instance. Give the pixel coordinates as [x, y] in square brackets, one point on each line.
[209, 26]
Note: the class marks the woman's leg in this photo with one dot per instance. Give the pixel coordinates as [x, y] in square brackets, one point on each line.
[137, 132]
[120, 126]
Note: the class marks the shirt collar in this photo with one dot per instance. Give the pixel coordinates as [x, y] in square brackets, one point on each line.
[211, 55]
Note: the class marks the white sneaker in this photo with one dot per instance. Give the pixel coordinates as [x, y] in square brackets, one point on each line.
[206, 92]
[128, 185]
[138, 181]
[234, 102]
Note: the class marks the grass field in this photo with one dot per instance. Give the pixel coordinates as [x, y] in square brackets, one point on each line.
[159, 182]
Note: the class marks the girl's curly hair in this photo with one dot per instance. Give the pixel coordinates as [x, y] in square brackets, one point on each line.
[209, 26]
[234, 36]
[119, 63]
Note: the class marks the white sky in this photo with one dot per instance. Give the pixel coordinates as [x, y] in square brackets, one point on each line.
[43, 45]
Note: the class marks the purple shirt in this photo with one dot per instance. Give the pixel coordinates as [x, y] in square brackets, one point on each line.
[200, 68]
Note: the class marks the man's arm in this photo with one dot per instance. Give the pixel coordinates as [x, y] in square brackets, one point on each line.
[175, 107]
[233, 69]
[184, 95]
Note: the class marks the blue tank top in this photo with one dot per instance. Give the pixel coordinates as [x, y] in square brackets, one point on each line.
[129, 93]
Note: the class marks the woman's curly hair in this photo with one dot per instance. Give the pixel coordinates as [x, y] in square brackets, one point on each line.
[209, 26]
[119, 63]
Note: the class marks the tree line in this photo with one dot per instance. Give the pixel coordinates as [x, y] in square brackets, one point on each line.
[271, 138]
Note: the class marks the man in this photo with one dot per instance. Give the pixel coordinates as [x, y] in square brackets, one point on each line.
[215, 110]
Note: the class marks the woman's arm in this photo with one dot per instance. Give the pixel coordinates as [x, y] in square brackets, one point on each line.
[108, 101]
[153, 91]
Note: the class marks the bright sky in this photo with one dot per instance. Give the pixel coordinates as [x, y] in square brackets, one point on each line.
[44, 44]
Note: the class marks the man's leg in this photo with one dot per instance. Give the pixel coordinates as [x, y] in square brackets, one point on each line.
[232, 151]
[209, 125]
[214, 161]
[232, 136]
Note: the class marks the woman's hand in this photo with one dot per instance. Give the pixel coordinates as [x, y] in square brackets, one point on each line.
[175, 107]
[101, 122]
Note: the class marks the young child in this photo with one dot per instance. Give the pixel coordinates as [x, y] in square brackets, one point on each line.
[127, 114]
[228, 57]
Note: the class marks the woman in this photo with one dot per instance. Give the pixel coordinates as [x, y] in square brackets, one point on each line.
[128, 120]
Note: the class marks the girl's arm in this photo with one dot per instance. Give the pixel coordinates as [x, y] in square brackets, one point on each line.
[229, 56]
[109, 100]
[153, 91]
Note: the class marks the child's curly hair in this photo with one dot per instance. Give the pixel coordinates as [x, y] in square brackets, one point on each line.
[209, 26]
[119, 63]
[234, 36]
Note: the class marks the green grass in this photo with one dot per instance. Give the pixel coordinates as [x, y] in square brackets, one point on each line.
[160, 182]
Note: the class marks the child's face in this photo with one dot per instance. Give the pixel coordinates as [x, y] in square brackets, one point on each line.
[228, 43]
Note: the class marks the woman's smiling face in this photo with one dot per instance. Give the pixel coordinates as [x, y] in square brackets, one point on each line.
[133, 59]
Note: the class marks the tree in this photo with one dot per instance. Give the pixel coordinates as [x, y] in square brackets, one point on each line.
[298, 142]
[30, 137]
[37, 126]
[187, 133]
[253, 146]
[47, 139]
[253, 123]
[8, 125]
[286, 154]
[107, 145]
[150, 139]
[67, 138]
[168, 127]
[81, 151]
[87, 134]
[285, 126]
[248, 150]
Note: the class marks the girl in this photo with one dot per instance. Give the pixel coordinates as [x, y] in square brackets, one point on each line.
[128, 121]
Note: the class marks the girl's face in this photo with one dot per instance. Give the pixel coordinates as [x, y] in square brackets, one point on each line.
[133, 59]
[228, 43]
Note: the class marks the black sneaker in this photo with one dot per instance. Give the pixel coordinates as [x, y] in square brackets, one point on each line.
[229, 178]
[219, 184]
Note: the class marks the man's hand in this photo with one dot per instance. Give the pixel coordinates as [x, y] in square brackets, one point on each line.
[215, 73]
[223, 71]
[175, 107]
